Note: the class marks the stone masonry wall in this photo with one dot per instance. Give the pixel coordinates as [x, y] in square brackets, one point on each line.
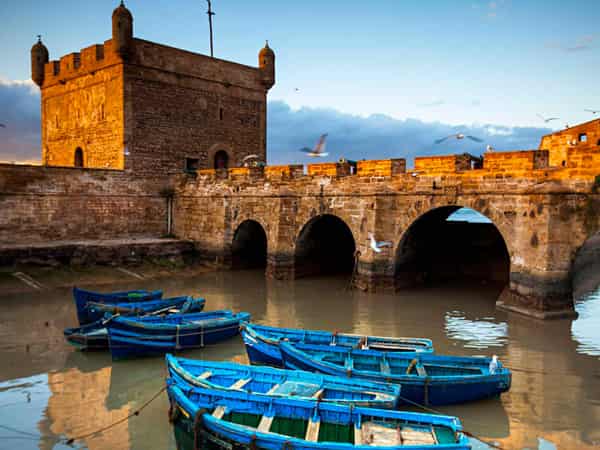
[82, 107]
[543, 215]
[182, 105]
[560, 143]
[45, 204]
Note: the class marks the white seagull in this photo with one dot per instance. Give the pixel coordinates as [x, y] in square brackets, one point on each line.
[489, 148]
[376, 246]
[593, 111]
[459, 136]
[549, 119]
[318, 150]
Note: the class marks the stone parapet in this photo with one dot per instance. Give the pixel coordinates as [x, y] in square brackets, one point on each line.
[381, 167]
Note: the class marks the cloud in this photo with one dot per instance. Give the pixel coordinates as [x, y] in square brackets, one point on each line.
[582, 44]
[20, 113]
[432, 104]
[379, 136]
[353, 137]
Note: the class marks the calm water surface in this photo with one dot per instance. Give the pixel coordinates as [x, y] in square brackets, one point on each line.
[50, 392]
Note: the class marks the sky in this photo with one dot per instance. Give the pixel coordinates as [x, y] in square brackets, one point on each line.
[382, 77]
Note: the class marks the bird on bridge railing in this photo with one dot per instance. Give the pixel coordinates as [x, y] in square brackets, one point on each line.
[549, 119]
[318, 150]
[458, 136]
[377, 246]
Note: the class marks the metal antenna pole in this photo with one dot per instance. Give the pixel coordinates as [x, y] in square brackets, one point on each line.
[210, 14]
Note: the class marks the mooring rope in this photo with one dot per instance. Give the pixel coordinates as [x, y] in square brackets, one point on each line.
[433, 411]
[118, 422]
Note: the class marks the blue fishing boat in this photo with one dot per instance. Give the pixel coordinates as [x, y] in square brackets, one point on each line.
[426, 379]
[234, 420]
[262, 342]
[82, 297]
[94, 336]
[138, 336]
[281, 383]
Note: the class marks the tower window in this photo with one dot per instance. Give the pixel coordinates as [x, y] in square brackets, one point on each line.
[78, 162]
[583, 137]
[221, 160]
[220, 113]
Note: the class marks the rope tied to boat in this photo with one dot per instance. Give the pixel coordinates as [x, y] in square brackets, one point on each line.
[465, 432]
[137, 412]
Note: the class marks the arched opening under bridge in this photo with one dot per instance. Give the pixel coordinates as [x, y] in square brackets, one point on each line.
[325, 246]
[249, 246]
[450, 244]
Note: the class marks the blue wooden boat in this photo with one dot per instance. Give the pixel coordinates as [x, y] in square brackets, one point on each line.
[138, 336]
[281, 383]
[262, 342]
[82, 297]
[426, 379]
[234, 420]
[94, 336]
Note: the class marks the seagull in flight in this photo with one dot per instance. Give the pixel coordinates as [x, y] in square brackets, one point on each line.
[2, 125]
[593, 111]
[377, 246]
[318, 150]
[458, 136]
[549, 119]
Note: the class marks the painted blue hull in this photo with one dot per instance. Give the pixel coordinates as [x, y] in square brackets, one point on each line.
[82, 297]
[131, 337]
[94, 336]
[279, 383]
[198, 412]
[427, 389]
[262, 342]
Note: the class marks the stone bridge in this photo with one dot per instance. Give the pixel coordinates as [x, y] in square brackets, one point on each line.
[299, 221]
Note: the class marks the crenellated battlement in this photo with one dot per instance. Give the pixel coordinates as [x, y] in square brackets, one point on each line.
[527, 164]
[85, 62]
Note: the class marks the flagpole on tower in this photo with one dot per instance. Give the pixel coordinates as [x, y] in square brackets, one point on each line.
[210, 14]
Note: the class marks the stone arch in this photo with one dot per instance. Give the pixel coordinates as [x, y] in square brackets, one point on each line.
[78, 160]
[432, 249]
[249, 246]
[220, 149]
[325, 245]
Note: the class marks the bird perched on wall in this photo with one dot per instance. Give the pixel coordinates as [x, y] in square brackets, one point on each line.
[548, 119]
[593, 111]
[458, 136]
[377, 246]
[251, 161]
[318, 150]
[489, 148]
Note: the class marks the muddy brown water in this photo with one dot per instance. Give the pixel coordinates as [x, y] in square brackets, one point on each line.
[50, 392]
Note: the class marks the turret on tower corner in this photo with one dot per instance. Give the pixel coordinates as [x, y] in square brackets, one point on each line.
[39, 58]
[266, 64]
[122, 31]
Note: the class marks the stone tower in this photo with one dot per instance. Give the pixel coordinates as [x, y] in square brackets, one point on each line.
[141, 106]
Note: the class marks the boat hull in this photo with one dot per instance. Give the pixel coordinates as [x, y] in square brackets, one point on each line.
[138, 337]
[82, 297]
[196, 425]
[422, 390]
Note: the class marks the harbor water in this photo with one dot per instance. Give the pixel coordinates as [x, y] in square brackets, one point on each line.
[50, 392]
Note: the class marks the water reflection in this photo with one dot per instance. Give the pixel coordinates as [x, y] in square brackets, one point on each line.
[476, 333]
[585, 329]
[51, 392]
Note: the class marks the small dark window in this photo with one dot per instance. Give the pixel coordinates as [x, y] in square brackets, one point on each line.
[192, 164]
[221, 159]
[78, 157]
[220, 113]
[564, 163]
[583, 137]
[598, 143]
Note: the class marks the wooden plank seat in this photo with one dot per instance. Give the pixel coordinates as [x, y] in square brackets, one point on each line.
[312, 431]
[239, 384]
[265, 424]
[219, 412]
